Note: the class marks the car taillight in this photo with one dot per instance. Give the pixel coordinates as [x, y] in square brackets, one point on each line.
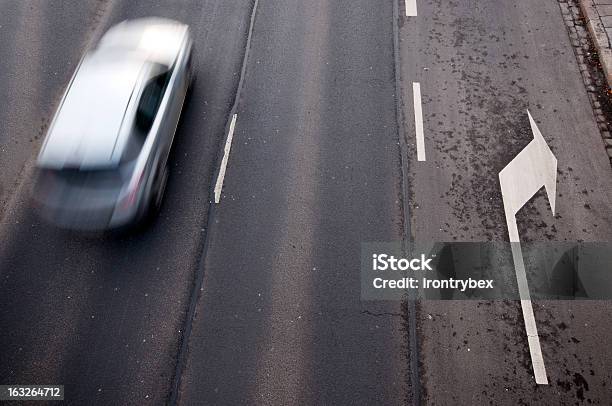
[129, 200]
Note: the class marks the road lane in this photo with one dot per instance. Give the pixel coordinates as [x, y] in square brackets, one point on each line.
[483, 65]
[103, 315]
[40, 44]
[314, 171]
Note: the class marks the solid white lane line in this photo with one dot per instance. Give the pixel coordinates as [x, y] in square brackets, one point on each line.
[228, 146]
[411, 8]
[418, 121]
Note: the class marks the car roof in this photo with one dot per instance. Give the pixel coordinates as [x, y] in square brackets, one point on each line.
[85, 132]
[87, 129]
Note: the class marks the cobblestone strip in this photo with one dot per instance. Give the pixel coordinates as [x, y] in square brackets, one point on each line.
[598, 18]
[591, 44]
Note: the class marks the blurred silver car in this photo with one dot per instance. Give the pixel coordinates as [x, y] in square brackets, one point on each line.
[103, 163]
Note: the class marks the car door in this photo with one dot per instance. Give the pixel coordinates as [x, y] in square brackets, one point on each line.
[178, 86]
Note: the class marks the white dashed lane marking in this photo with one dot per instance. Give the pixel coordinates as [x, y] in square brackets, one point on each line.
[226, 152]
[411, 8]
[418, 121]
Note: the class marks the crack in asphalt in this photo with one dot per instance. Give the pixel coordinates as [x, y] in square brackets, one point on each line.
[381, 314]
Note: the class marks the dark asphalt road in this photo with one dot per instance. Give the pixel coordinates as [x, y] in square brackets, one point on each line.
[481, 65]
[315, 170]
[41, 43]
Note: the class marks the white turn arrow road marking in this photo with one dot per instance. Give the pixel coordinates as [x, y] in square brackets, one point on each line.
[535, 166]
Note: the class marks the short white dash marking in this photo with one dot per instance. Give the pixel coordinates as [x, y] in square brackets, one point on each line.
[411, 8]
[228, 146]
[418, 121]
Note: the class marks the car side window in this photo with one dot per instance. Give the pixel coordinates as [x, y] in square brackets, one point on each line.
[149, 102]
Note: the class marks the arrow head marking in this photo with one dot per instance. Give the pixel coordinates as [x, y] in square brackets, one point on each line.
[535, 166]
[549, 163]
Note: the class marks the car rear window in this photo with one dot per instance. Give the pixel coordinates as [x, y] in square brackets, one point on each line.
[90, 178]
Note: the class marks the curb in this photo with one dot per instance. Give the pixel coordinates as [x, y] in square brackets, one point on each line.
[599, 36]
